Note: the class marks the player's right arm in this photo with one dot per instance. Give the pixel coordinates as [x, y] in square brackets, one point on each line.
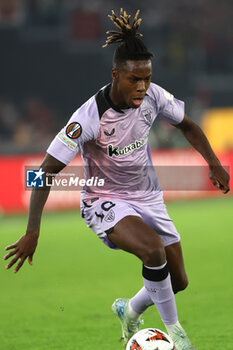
[25, 247]
[82, 127]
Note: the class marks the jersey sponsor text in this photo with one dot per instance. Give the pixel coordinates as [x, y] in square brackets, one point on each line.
[117, 152]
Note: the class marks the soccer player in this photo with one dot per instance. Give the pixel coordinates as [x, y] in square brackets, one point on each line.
[111, 132]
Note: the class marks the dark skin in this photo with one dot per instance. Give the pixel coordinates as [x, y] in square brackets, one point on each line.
[130, 83]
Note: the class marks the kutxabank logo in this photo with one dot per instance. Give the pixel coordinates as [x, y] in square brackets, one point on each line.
[34, 178]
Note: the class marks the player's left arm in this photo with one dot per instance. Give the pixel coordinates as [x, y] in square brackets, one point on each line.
[196, 137]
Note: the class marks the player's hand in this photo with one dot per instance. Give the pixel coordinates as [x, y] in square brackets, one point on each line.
[24, 248]
[219, 177]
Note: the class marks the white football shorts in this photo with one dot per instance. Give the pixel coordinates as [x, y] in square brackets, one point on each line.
[101, 215]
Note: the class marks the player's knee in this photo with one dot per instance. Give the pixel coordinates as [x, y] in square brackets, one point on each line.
[153, 256]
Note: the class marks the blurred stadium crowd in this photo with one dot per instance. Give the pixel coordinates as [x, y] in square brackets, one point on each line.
[50, 49]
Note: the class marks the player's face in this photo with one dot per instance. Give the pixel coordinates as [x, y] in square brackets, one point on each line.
[130, 83]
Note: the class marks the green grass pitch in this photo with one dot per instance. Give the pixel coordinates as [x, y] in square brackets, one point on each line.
[63, 301]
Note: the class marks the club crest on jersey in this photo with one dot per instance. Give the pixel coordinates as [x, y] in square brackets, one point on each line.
[147, 114]
[110, 216]
[74, 130]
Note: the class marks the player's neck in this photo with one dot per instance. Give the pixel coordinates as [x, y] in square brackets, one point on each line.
[115, 98]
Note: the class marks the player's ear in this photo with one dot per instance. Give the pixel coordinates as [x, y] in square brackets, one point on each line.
[115, 74]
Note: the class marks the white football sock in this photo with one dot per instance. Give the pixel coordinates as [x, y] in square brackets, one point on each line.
[131, 313]
[157, 282]
[141, 301]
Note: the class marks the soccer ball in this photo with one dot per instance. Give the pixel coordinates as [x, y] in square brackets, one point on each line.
[150, 339]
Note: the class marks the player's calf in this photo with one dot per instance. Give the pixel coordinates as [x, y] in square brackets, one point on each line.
[179, 284]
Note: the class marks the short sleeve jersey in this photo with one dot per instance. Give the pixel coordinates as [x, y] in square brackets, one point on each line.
[114, 143]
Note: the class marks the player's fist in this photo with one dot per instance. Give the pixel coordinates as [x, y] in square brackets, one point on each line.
[219, 177]
[21, 250]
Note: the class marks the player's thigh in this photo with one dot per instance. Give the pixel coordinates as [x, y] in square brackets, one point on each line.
[133, 235]
[176, 266]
